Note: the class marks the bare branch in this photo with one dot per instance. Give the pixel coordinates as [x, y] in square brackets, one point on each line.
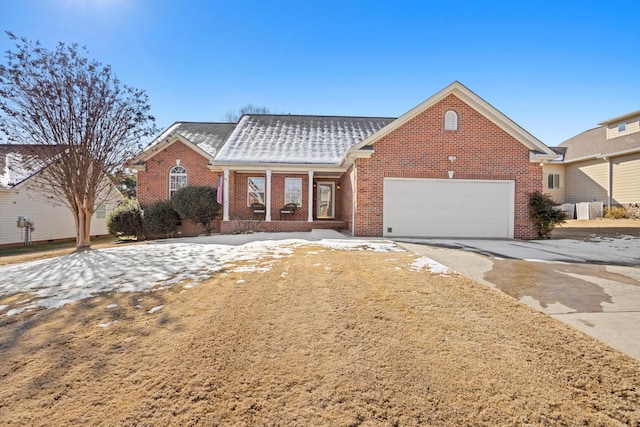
[90, 122]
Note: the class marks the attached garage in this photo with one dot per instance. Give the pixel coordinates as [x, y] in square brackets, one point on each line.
[448, 208]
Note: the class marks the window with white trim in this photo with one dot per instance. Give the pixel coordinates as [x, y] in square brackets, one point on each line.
[450, 120]
[622, 127]
[293, 191]
[553, 181]
[255, 190]
[101, 212]
[177, 179]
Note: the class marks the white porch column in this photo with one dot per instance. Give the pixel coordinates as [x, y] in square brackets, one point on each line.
[225, 196]
[267, 215]
[310, 202]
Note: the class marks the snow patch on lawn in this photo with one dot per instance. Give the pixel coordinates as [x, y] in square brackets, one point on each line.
[433, 266]
[106, 325]
[54, 282]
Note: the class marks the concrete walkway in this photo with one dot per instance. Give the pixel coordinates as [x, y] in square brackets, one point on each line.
[591, 286]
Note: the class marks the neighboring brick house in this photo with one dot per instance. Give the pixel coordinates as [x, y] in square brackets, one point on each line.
[453, 166]
[600, 164]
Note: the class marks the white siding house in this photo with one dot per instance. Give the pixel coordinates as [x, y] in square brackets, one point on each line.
[19, 197]
[600, 164]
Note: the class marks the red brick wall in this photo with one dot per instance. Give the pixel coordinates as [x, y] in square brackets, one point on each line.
[277, 196]
[153, 183]
[420, 149]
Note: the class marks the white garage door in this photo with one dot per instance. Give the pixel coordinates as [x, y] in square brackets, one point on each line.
[448, 208]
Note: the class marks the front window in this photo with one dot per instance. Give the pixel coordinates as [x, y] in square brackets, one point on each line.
[177, 179]
[293, 191]
[255, 190]
[553, 182]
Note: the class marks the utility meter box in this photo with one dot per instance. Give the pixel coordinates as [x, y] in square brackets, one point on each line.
[21, 221]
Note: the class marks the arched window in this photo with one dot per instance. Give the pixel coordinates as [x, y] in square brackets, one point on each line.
[177, 179]
[450, 120]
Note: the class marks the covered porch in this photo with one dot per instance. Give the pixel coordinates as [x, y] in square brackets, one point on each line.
[284, 199]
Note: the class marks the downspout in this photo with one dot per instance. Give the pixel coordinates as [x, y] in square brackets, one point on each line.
[610, 182]
[609, 177]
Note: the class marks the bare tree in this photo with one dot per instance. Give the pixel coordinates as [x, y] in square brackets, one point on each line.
[88, 123]
[233, 116]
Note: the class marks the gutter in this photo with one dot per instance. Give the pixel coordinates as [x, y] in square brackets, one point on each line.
[294, 167]
[541, 157]
[602, 155]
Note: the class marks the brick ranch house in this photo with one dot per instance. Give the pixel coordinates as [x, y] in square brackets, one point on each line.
[453, 166]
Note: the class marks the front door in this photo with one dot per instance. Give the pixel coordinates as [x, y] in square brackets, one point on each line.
[325, 203]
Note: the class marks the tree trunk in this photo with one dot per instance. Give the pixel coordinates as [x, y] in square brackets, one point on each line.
[83, 229]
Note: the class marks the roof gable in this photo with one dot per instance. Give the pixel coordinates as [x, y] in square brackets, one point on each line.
[480, 105]
[293, 139]
[204, 138]
[20, 162]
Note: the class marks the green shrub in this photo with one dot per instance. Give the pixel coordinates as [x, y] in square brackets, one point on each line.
[544, 213]
[197, 204]
[126, 219]
[161, 219]
[616, 212]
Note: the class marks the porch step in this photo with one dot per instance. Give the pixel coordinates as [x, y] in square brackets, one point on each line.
[327, 233]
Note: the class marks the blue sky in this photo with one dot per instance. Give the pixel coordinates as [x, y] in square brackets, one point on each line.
[556, 68]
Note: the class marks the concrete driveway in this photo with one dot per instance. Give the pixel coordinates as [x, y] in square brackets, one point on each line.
[592, 286]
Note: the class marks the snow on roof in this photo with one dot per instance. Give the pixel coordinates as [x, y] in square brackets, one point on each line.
[266, 138]
[208, 136]
[16, 164]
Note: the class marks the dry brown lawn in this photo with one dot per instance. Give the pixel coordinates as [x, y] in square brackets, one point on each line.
[325, 337]
[596, 229]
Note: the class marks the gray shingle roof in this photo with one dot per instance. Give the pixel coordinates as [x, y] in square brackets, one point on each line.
[594, 142]
[206, 135]
[292, 139]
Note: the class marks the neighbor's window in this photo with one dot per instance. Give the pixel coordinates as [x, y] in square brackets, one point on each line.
[177, 179]
[622, 127]
[255, 191]
[293, 191]
[450, 120]
[553, 182]
[101, 212]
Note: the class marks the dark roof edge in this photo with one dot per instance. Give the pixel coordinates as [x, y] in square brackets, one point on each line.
[619, 118]
[202, 123]
[318, 116]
